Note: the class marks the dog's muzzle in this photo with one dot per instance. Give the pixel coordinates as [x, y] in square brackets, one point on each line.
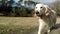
[37, 12]
[38, 15]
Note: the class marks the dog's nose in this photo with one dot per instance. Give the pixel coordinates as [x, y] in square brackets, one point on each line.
[37, 12]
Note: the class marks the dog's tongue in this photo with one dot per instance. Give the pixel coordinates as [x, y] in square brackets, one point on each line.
[37, 17]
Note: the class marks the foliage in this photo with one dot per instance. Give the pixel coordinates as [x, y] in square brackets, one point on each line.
[18, 10]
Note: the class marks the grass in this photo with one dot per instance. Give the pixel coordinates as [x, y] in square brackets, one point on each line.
[20, 25]
[17, 25]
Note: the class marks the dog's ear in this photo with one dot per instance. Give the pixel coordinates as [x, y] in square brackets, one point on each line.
[47, 10]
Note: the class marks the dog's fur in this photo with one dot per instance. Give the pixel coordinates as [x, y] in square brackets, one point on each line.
[47, 20]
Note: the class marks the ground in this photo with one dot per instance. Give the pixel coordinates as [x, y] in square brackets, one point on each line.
[23, 25]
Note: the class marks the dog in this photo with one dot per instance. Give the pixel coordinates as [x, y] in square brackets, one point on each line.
[46, 17]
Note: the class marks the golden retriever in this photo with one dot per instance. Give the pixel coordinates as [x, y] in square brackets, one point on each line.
[46, 17]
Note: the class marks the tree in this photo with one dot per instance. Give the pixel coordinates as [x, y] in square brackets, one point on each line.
[19, 2]
[11, 2]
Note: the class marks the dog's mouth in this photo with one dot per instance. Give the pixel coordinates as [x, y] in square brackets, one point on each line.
[38, 16]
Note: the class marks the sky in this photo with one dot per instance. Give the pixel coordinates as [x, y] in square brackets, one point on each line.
[43, 1]
[16, 0]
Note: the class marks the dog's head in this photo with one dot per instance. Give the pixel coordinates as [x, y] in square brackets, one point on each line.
[41, 9]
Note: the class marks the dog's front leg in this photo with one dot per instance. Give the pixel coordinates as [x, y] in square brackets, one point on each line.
[41, 26]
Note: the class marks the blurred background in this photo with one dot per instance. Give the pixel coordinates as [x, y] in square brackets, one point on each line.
[25, 8]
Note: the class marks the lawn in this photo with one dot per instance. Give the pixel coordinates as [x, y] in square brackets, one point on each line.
[22, 25]
[17, 25]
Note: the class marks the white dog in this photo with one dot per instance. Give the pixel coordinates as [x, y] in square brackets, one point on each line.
[46, 17]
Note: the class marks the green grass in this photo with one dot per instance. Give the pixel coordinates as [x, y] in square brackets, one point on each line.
[17, 25]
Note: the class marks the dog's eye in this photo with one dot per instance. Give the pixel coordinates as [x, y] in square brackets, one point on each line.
[41, 7]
